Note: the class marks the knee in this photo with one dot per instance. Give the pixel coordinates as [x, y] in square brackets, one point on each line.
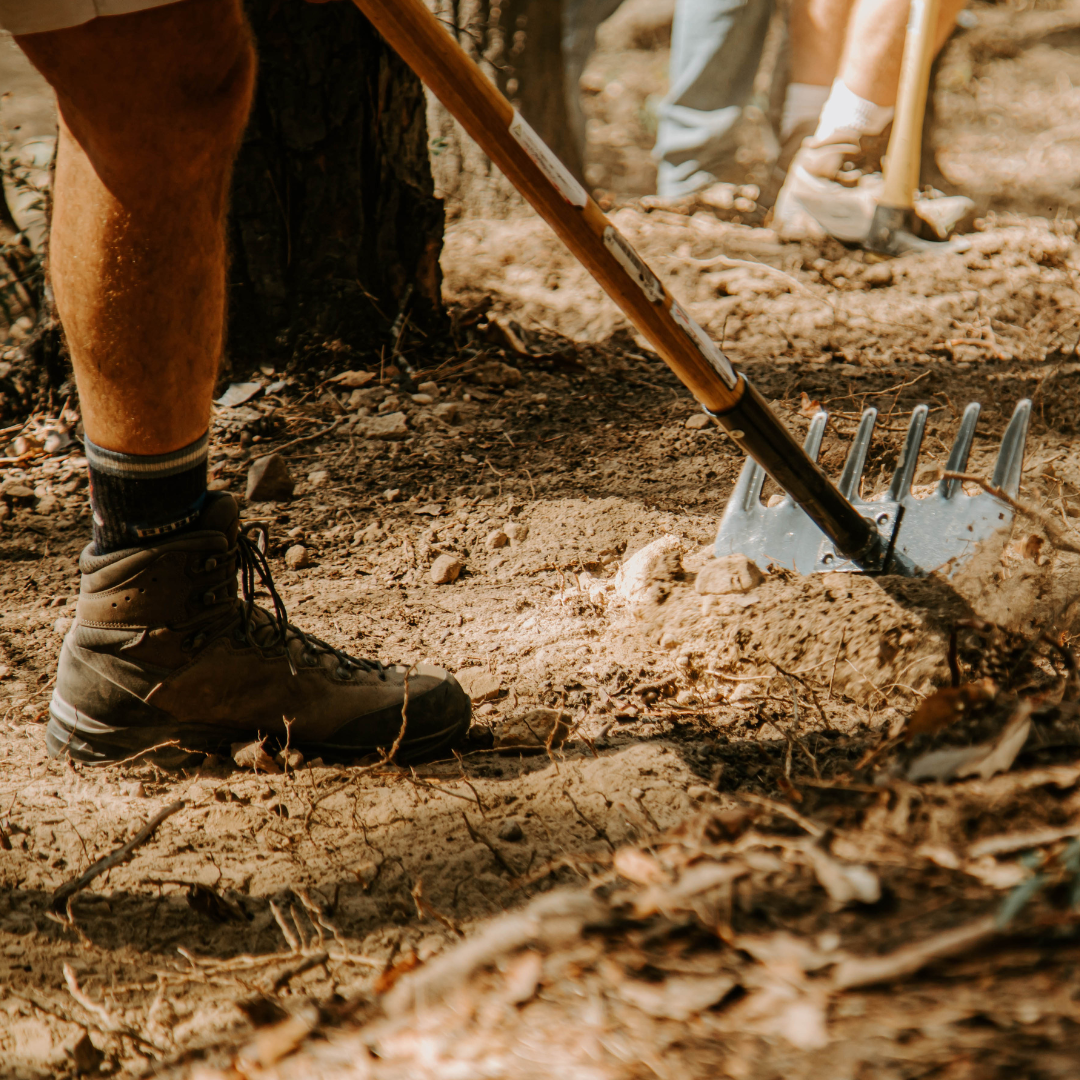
[172, 85]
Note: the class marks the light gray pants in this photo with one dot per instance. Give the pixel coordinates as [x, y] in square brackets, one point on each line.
[715, 51]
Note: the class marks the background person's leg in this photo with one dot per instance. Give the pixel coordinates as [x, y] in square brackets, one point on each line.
[715, 52]
[152, 108]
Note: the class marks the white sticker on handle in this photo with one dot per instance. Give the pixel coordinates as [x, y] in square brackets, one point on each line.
[544, 158]
[708, 348]
[633, 264]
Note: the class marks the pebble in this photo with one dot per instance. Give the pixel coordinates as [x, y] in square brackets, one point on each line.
[731, 574]
[511, 831]
[496, 373]
[392, 494]
[445, 569]
[253, 755]
[698, 421]
[496, 539]
[269, 480]
[292, 759]
[479, 684]
[447, 410]
[429, 388]
[422, 399]
[516, 532]
[18, 492]
[133, 790]
[318, 478]
[878, 274]
[538, 727]
[296, 558]
[391, 427]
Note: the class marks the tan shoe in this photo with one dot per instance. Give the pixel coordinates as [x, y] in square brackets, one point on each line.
[165, 651]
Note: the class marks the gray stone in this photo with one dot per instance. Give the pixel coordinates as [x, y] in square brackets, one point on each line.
[731, 574]
[445, 569]
[390, 427]
[269, 480]
[296, 558]
[496, 539]
[511, 831]
[447, 410]
[479, 684]
[516, 531]
[430, 388]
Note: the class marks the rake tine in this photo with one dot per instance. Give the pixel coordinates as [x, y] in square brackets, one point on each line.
[1010, 459]
[812, 446]
[747, 489]
[851, 478]
[905, 469]
[961, 448]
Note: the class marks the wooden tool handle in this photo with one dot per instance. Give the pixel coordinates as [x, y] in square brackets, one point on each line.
[904, 157]
[417, 36]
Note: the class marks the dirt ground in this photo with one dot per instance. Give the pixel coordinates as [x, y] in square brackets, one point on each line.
[747, 834]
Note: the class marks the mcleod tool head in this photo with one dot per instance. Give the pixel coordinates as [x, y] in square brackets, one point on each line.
[939, 532]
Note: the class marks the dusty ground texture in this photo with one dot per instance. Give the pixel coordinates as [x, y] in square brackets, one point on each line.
[756, 834]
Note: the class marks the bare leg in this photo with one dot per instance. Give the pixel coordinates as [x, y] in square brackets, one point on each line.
[870, 65]
[818, 29]
[152, 107]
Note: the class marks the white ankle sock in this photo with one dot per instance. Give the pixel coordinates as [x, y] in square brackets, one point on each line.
[845, 110]
[802, 102]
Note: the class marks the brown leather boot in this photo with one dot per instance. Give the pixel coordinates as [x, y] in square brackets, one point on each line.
[165, 653]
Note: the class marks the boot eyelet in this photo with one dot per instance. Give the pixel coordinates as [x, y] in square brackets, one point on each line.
[310, 659]
[210, 564]
[198, 641]
[209, 599]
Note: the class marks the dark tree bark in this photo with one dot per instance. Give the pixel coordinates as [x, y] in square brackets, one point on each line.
[334, 228]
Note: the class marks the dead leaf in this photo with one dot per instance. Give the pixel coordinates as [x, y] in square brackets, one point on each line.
[408, 962]
[844, 882]
[945, 707]
[984, 760]
[639, 867]
[238, 393]
[806, 406]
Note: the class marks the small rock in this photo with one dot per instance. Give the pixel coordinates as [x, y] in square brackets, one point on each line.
[392, 494]
[516, 532]
[496, 539]
[296, 558]
[537, 728]
[445, 569]
[687, 699]
[496, 373]
[429, 388]
[291, 759]
[318, 478]
[479, 684]
[269, 480]
[447, 410]
[17, 492]
[698, 421]
[391, 427]
[731, 574]
[47, 506]
[657, 561]
[218, 485]
[133, 790]
[511, 831]
[353, 380]
[422, 399]
[878, 274]
[85, 1056]
[253, 755]
[62, 626]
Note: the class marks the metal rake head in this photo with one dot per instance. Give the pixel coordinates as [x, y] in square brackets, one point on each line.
[936, 533]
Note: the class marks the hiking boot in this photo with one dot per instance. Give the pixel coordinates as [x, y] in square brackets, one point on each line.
[165, 654]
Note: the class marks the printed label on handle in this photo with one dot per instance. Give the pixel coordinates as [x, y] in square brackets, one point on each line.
[708, 348]
[545, 159]
[633, 264]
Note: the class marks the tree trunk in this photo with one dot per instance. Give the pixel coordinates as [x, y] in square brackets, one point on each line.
[518, 45]
[335, 229]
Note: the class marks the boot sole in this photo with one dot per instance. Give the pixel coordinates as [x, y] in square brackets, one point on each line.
[73, 734]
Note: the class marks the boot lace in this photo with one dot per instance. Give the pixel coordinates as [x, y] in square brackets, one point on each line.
[267, 630]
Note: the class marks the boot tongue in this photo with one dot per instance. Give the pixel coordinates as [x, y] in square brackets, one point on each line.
[220, 514]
